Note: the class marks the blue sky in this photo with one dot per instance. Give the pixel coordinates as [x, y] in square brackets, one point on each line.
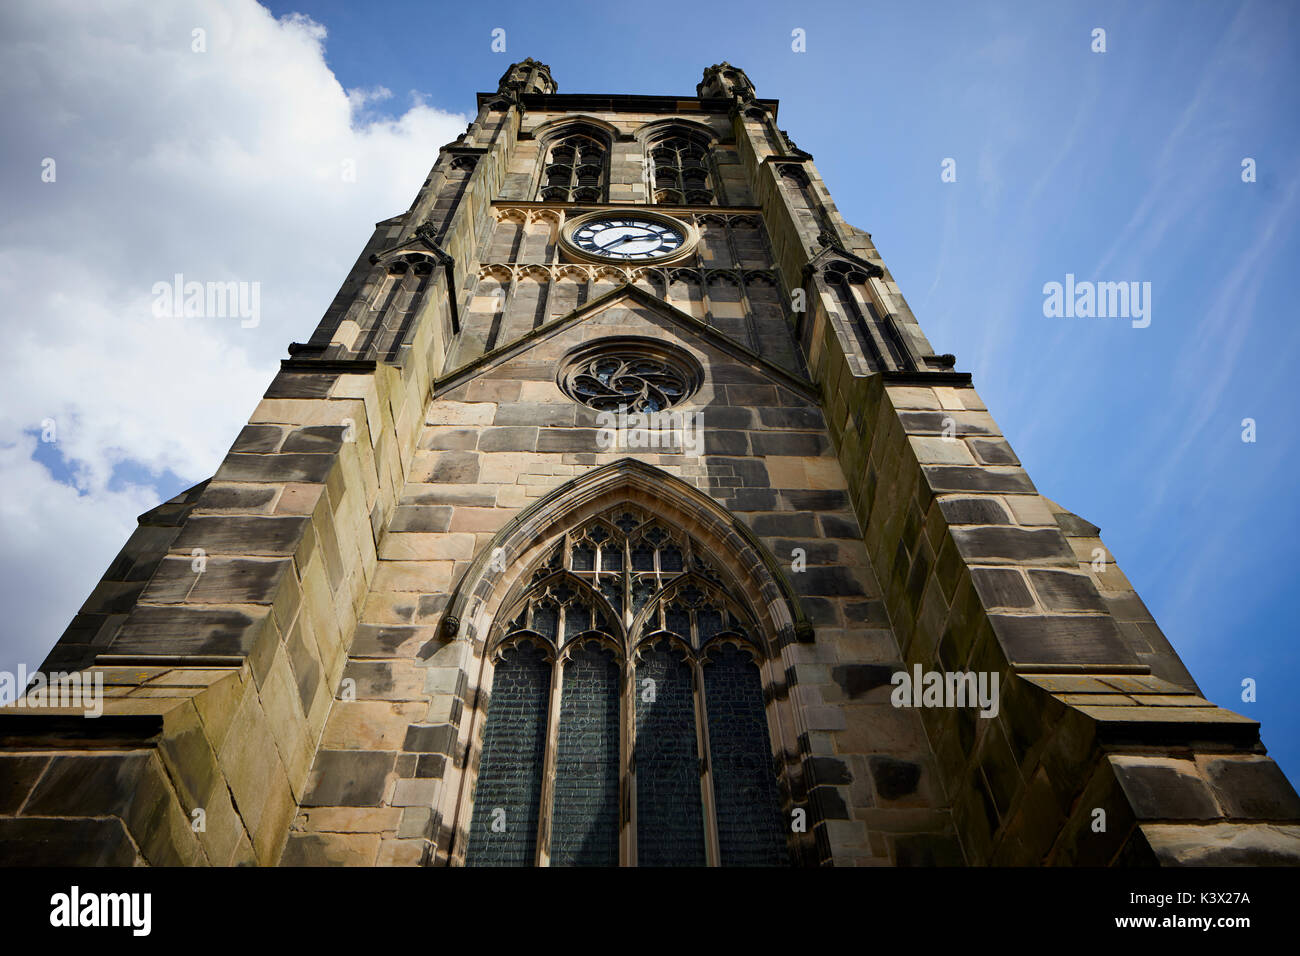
[1115, 166]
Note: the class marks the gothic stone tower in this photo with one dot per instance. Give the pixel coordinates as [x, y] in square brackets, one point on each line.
[447, 613]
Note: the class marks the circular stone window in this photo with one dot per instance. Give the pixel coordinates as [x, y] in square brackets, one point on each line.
[639, 375]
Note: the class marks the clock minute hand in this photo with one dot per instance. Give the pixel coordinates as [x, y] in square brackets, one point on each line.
[619, 242]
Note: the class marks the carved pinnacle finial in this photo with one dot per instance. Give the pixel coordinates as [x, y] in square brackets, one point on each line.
[724, 81]
[526, 76]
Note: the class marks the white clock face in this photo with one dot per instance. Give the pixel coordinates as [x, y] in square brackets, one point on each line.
[628, 238]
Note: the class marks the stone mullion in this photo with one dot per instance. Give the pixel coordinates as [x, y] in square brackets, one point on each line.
[546, 806]
[712, 851]
[627, 762]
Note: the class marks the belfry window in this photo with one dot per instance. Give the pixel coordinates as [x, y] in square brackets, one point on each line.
[626, 722]
[574, 170]
[680, 171]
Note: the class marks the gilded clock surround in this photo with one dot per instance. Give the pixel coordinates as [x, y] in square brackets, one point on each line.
[690, 236]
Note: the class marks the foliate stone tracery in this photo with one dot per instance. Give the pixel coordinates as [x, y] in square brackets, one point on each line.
[618, 379]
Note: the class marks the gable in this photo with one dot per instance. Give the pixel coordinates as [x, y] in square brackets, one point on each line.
[630, 311]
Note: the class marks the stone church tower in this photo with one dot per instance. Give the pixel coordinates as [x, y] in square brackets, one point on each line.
[597, 523]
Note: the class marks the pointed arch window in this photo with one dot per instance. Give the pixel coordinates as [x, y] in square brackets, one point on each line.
[680, 170]
[574, 170]
[627, 722]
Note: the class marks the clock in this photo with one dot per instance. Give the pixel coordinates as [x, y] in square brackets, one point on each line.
[612, 236]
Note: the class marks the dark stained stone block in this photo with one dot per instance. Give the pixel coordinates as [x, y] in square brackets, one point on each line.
[793, 525]
[1160, 792]
[808, 444]
[857, 679]
[258, 439]
[316, 439]
[894, 778]
[301, 385]
[1001, 587]
[821, 611]
[430, 739]
[18, 774]
[276, 468]
[1066, 591]
[568, 439]
[828, 500]
[993, 451]
[373, 678]
[805, 418]
[237, 499]
[384, 640]
[866, 612]
[1073, 639]
[223, 581]
[472, 497]
[31, 841]
[998, 544]
[829, 803]
[514, 438]
[815, 552]
[751, 395]
[88, 785]
[349, 778]
[430, 605]
[421, 518]
[460, 439]
[926, 849]
[834, 526]
[243, 534]
[826, 581]
[430, 766]
[719, 442]
[752, 474]
[114, 597]
[973, 511]
[827, 771]
[752, 499]
[455, 467]
[1254, 789]
[722, 416]
[187, 630]
[943, 478]
[1076, 527]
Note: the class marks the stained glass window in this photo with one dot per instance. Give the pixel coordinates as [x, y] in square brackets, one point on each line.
[647, 635]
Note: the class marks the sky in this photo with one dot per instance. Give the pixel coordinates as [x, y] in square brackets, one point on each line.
[1124, 164]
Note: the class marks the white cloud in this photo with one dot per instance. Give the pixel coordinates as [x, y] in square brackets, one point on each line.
[225, 165]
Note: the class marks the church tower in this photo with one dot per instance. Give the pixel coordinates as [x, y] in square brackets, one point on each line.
[618, 512]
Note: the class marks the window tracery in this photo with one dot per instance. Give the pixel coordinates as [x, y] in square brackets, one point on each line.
[657, 707]
[574, 170]
[680, 174]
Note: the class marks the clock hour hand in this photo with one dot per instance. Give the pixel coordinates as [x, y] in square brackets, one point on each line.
[619, 242]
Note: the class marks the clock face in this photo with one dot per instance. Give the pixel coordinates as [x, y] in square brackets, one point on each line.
[628, 238]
